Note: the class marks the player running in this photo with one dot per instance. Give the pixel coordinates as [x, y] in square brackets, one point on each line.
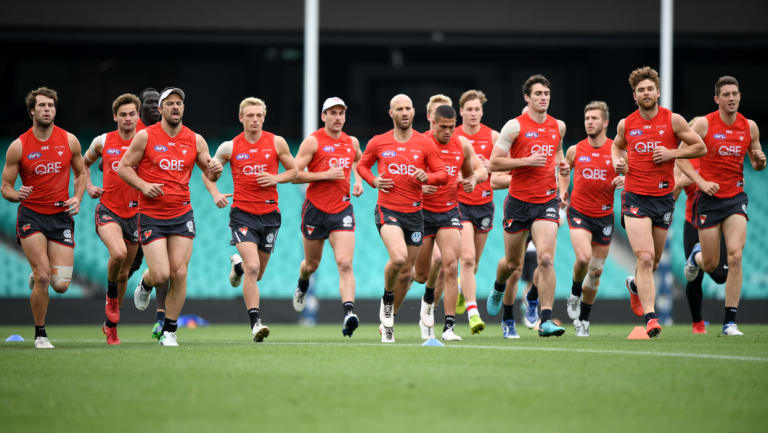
[164, 155]
[42, 157]
[330, 156]
[255, 217]
[721, 205]
[402, 156]
[530, 145]
[590, 214]
[116, 219]
[644, 150]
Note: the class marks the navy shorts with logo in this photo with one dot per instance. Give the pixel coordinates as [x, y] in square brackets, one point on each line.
[58, 227]
[316, 224]
[520, 215]
[152, 229]
[710, 211]
[259, 229]
[434, 221]
[481, 215]
[658, 208]
[412, 223]
[601, 228]
[129, 226]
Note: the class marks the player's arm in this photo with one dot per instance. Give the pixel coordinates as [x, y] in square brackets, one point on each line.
[619, 151]
[562, 167]
[11, 172]
[286, 159]
[357, 186]
[91, 156]
[222, 155]
[681, 182]
[364, 168]
[500, 180]
[304, 156]
[699, 128]
[131, 159]
[756, 155]
[435, 174]
[472, 170]
[209, 166]
[80, 175]
[691, 144]
[500, 160]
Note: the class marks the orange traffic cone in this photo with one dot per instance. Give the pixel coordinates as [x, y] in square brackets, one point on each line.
[638, 333]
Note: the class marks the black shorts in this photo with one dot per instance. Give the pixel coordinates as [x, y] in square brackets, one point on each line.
[434, 221]
[530, 263]
[658, 208]
[129, 226]
[520, 215]
[412, 223]
[152, 229]
[710, 211]
[481, 215]
[259, 229]
[57, 227]
[691, 238]
[316, 224]
[601, 228]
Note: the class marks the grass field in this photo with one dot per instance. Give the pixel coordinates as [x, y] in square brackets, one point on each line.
[312, 380]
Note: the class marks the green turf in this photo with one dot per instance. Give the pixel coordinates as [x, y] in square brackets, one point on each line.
[312, 380]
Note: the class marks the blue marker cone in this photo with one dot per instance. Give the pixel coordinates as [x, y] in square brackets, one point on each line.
[14, 337]
[433, 342]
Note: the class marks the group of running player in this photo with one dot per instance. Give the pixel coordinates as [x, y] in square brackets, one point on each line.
[435, 188]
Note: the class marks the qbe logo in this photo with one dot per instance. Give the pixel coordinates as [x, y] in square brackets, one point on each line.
[646, 146]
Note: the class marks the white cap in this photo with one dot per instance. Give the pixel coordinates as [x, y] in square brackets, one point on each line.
[168, 91]
[332, 102]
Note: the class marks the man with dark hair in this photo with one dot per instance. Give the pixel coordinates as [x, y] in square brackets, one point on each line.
[721, 204]
[43, 156]
[644, 150]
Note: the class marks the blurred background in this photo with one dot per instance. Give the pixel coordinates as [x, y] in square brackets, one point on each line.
[220, 52]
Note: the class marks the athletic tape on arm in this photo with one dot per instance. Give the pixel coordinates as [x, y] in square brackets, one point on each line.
[510, 128]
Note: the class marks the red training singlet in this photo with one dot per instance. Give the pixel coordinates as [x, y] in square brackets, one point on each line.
[447, 196]
[535, 184]
[169, 161]
[482, 143]
[118, 196]
[44, 166]
[331, 196]
[727, 145]
[690, 191]
[397, 161]
[643, 136]
[593, 171]
[249, 160]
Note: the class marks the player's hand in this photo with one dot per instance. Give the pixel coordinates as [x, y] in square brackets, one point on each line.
[662, 154]
[469, 183]
[537, 160]
[486, 163]
[563, 199]
[93, 190]
[383, 183]
[565, 168]
[420, 175]
[357, 189]
[266, 179]
[214, 166]
[759, 159]
[428, 189]
[621, 166]
[152, 190]
[221, 200]
[708, 188]
[334, 173]
[24, 192]
[618, 182]
[73, 205]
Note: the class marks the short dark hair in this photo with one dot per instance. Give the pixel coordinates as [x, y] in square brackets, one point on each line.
[31, 98]
[724, 81]
[444, 112]
[147, 90]
[535, 79]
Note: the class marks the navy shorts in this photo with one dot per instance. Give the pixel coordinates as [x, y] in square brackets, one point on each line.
[412, 223]
[520, 215]
[57, 227]
[600, 228]
[710, 211]
[152, 229]
[259, 229]
[316, 224]
[481, 215]
[434, 221]
[658, 208]
[129, 226]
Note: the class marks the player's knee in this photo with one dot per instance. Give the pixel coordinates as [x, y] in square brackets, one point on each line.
[118, 254]
[311, 265]
[582, 260]
[451, 269]
[734, 258]
[252, 269]
[468, 262]
[158, 277]
[645, 260]
[545, 260]
[179, 273]
[709, 264]
[406, 274]
[344, 266]
[595, 268]
[60, 278]
[398, 260]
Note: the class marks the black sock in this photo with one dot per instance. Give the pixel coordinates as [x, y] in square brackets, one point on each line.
[169, 325]
[694, 295]
[348, 307]
[109, 324]
[145, 287]
[429, 294]
[159, 316]
[546, 315]
[253, 314]
[533, 294]
[111, 289]
[585, 310]
[730, 314]
[40, 331]
[499, 287]
[649, 316]
[508, 312]
[388, 298]
[633, 286]
[576, 288]
[239, 268]
[449, 322]
[303, 285]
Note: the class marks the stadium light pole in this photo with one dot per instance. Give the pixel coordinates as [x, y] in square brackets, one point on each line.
[311, 48]
[667, 29]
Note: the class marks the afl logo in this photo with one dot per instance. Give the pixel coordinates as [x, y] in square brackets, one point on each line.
[388, 154]
[328, 149]
[161, 148]
[34, 155]
[635, 133]
[242, 156]
[584, 159]
[719, 136]
[113, 151]
[532, 134]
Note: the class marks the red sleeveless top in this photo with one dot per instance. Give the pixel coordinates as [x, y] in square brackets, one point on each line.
[331, 196]
[593, 171]
[44, 166]
[249, 160]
